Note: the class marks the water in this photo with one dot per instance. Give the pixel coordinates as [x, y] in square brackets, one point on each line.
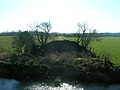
[10, 84]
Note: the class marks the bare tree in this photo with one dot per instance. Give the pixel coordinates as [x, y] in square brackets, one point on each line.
[85, 35]
[42, 32]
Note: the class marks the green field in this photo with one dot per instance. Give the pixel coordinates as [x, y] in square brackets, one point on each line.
[5, 43]
[108, 46]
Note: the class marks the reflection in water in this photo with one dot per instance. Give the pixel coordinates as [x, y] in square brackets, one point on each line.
[101, 87]
[7, 84]
[10, 84]
[64, 86]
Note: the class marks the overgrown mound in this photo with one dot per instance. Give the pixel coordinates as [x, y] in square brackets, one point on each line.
[67, 46]
[63, 46]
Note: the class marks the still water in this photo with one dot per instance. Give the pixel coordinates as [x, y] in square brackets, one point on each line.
[10, 84]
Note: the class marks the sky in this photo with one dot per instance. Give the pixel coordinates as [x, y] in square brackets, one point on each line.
[103, 15]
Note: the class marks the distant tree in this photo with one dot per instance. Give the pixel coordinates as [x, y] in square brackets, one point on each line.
[23, 43]
[85, 35]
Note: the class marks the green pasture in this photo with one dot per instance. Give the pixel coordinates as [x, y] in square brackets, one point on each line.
[65, 38]
[5, 43]
[110, 47]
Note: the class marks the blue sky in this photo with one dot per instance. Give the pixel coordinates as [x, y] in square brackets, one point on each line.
[104, 15]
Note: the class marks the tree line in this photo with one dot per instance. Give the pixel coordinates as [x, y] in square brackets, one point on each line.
[14, 33]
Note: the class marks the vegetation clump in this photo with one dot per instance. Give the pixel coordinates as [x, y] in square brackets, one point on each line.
[66, 66]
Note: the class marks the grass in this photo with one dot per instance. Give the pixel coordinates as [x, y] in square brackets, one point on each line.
[109, 46]
[5, 43]
[65, 38]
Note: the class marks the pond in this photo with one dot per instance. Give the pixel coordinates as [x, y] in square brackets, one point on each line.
[11, 84]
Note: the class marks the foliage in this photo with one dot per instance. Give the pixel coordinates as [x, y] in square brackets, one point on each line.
[23, 43]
